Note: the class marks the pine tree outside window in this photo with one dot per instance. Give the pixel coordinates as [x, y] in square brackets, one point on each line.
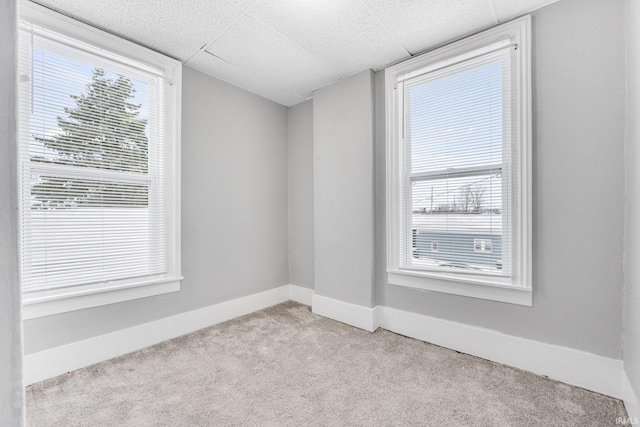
[99, 163]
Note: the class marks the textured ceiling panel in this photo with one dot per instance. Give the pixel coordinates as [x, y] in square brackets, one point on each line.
[507, 9]
[343, 34]
[193, 22]
[255, 49]
[421, 25]
[209, 64]
[112, 20]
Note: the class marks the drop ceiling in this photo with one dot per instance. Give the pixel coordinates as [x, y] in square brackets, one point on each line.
[283, 50]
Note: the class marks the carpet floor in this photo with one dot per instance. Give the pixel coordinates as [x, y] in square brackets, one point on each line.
[285, 366]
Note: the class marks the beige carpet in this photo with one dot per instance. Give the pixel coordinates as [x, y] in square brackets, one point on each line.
[286, 366]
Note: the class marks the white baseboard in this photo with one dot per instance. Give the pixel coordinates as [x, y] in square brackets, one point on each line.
[300, 294]
[630, 399]
[59, 360]
[351, 314]
[579, 368]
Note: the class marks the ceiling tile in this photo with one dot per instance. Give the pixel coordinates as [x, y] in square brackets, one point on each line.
[111, 20]
[193, 22]
[257, 50]
[507, 9]
[345, 35]
[229, 73]
[421, 25]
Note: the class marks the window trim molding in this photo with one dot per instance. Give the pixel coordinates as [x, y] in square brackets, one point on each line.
[80, 297]
[49, 302]
[518, 288]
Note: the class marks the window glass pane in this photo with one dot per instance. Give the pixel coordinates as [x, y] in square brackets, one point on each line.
[69, 247]
[87, 116]
[455, 121]
[457, 213]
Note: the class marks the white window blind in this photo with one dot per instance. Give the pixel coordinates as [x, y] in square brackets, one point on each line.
[455, 163]
[92, 165]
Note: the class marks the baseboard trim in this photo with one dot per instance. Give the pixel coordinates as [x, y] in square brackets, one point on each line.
[630, 399]
[351, 314]
[59, 360]
[300, 294]
[579, 368]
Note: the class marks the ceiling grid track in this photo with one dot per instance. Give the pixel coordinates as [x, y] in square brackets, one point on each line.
[492, 6]
[230, 25]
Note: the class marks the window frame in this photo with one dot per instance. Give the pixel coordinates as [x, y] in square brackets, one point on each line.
[61, 300]
[517, 288]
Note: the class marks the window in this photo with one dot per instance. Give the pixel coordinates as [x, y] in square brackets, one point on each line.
[458, 161]
[99, 166]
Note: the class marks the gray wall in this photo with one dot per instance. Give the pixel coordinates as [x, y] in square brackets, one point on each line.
[344, 190]
[631, 349]
[578, 184]
[301, 195]
[11, 390]
[234, 213]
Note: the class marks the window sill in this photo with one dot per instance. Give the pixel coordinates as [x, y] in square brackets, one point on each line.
[47, 303]
[484, 288]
